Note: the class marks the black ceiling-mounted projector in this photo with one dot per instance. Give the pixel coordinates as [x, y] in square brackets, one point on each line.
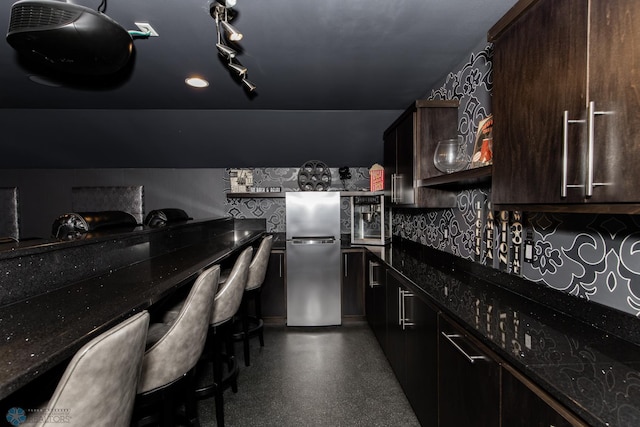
[69, 37]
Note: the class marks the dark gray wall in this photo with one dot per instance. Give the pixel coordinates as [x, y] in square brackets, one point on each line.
[44, 194]
[35, 138]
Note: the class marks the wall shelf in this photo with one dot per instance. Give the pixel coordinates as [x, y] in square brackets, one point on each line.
[282, 194]
[458, 180]
[255, 195]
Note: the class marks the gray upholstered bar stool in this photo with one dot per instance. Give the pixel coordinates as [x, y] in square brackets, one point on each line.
[98, 387]
[252, 324]
[168, 371]
[220, 337]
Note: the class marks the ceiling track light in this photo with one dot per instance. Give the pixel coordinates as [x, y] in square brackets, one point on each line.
[232, 33]
[248, 85]
[222, 13]
[226, 51]
[240, 69]
[227, 3]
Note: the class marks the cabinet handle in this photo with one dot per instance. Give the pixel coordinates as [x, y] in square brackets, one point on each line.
[393, 188]
[372, 283]
[450, 337]
[590, 150]
[399, 188]
[346, 266]
[405, 321]
[565, 153]
[280, 264]
[400, 308]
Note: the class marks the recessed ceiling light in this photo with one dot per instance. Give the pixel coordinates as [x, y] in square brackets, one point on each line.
[196, 82]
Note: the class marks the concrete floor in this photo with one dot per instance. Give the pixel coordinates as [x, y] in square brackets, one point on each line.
[329, 376]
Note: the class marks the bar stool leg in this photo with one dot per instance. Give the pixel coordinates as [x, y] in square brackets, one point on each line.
[245, 332]
[217, 379]
[191, 405]
[258, 305]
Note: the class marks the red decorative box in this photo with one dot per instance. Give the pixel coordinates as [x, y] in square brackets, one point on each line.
[376, 178]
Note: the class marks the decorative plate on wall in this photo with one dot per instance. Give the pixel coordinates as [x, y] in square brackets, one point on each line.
[314, 176]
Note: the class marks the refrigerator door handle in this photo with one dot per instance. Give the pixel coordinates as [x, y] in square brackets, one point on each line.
[312, 240]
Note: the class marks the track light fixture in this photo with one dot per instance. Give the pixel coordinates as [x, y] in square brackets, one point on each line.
[227, 3]
[248, 85]
[226, 51]
[232, 33]
[222, 13]
[238, 68]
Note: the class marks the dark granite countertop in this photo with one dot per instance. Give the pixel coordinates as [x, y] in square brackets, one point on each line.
[40, 332]
[563, 346]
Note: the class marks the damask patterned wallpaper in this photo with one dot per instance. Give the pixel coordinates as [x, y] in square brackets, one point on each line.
[273, 209]
[589, 256]
[596, 257]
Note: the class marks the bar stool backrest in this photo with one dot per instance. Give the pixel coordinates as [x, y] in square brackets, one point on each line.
[258, 267]
[229, 296]
[179, 349]
[98, 388]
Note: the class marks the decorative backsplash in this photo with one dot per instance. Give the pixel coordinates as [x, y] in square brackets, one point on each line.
[273, 209]
[585, 255]
[588, 256]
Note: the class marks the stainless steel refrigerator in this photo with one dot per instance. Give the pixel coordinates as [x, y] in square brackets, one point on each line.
[313, 258]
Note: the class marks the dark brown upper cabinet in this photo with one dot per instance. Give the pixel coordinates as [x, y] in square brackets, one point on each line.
[566, 106]
[409, 145]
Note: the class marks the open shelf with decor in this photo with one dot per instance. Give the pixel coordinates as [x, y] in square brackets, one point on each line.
[253, 195]
[268, 194]
[468, 178]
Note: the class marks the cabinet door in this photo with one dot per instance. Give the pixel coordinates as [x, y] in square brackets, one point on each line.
[421, 346]
[273, 289]
[390, 164]
[398, 159]
[539, 65]
[375, 300]
[395, 347]
[524, 407]
[614, 61]
[352, 284]
[468, 381]
[405, 151]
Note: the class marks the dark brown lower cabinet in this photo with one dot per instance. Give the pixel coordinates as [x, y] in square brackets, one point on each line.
[412, 343]
[395, 345]
[449, 376]
[421, 347]
[525, 405]
[273, 294]
[375, 299]
[353, 284]
[468, 381]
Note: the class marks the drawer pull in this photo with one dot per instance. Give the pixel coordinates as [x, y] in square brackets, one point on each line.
[450, 338]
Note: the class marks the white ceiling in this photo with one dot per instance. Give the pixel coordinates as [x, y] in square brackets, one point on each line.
[302, 55]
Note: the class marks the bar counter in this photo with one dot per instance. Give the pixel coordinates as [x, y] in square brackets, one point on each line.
[70, 301]
[585, 355]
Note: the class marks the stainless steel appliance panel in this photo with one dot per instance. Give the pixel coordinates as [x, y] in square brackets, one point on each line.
[313, 259]
[313, 283]
[312, 213]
